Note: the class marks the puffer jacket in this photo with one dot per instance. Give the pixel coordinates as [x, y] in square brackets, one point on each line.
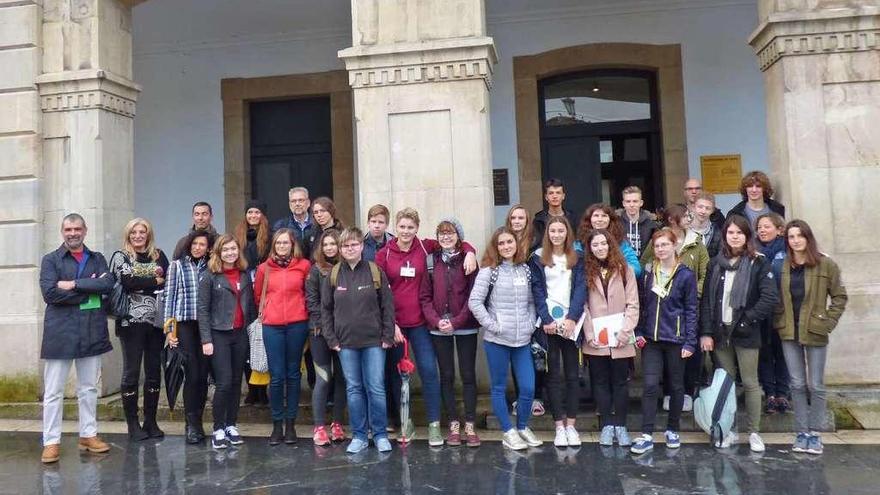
[824, 302]
[507, 313]
[285, 294]
[674, 317]
[762, 298]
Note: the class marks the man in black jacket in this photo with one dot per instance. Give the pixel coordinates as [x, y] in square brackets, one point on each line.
[300, 221]
[72, 280]
[692, 191]
[554, 196]
[202, 215]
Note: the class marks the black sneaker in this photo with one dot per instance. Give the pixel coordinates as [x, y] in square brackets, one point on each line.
[232, 435]
[218, 440]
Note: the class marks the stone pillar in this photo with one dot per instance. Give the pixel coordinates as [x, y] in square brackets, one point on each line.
[87, 100]
[421, 71]
[20, 182]
[821, 64]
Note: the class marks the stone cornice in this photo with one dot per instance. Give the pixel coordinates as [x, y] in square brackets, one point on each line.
[814, 33]
[413, 63]
[87, 90]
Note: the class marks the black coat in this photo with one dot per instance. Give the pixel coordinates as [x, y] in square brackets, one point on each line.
[762, 299]
[740, 208]
[216, 303]
[68, 331]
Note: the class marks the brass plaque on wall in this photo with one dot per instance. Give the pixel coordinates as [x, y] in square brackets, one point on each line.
[721, 173]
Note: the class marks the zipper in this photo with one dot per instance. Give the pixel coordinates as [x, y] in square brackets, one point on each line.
[678, 326]
[657, 322]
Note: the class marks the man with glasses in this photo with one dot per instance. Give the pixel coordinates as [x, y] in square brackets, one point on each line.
[300, 221]
[692, 190]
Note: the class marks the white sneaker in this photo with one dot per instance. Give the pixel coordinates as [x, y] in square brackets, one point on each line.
[513, 409]
[688, 404]
[756, 443]
[561, 439]
[729, 440]
[513, 441]
[666, 403]
[574, 438]
[529, 438]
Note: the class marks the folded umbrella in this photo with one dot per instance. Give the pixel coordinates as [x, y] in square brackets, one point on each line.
[406, 368]
[174, 361]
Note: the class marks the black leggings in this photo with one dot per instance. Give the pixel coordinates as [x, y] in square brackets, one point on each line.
[610, 388]
[445, 347]
[657, 356]
[563, 360]
[141, 341]
[327, 367]
[195, 385]
[227, 362]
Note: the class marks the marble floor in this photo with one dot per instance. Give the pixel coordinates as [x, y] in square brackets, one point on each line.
[171, 466]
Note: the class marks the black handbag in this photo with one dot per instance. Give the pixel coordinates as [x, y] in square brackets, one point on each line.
[118, 303]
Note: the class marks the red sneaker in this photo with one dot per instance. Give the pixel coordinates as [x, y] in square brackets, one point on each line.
[320, 436]
[470, 435]
[337, 434]
[454, 437]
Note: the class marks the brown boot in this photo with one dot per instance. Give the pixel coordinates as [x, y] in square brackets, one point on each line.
[51, 453]
[94, 445]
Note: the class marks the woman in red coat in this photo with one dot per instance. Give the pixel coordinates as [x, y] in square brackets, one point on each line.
[285, 328]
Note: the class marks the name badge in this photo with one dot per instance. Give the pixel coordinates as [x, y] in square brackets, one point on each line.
[660, 291]
[408, 271]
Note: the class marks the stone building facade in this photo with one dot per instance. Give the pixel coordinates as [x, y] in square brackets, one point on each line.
[415, 89]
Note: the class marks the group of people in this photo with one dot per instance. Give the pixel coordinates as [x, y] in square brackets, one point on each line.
[750, 291]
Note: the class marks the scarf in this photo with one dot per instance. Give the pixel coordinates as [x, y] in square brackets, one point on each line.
[739, 294]
[449, 256]
[281, 261]
[251, 234]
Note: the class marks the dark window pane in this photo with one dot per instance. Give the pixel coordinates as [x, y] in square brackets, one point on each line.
[635, 150]
[593, 99]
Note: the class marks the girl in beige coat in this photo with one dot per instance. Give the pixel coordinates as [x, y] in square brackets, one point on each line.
[612, 289]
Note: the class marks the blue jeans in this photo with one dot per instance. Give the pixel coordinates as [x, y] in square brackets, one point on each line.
[364, 371]
[284, 350]
[422, 352]
[500, 357]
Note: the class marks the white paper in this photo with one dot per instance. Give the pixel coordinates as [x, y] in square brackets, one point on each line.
[611, 325]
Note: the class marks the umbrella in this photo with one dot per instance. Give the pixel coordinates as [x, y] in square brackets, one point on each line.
[406, 368]
[175, 365]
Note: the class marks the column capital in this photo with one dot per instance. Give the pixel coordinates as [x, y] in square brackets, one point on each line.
[420, 62]
[814, 33]
[87, 90]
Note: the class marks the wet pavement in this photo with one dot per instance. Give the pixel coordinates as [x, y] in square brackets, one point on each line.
[171, 466]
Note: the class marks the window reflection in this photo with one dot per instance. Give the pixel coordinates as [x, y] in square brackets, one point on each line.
[596, 99]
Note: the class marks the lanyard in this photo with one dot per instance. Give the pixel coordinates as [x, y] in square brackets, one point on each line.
[668, 283]
[81, 266]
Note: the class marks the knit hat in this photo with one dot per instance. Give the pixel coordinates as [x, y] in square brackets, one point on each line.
[255, 203]
[455, 223]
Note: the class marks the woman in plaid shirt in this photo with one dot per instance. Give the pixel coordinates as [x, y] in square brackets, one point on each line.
[181, 294]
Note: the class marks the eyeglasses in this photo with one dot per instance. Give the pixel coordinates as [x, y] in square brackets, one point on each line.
[445, 235]
[351, 246]
[693, 189]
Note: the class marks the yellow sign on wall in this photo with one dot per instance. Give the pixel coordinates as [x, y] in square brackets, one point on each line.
[721, 173]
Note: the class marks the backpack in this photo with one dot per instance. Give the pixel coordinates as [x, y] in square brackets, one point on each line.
[715, 407]
[374, 272]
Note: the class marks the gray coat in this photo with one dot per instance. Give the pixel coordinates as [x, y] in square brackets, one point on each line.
[216, 303]
[508, 314]
[68, 331]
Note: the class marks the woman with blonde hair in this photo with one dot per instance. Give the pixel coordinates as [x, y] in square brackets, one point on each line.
[141, 268]
[225, 309]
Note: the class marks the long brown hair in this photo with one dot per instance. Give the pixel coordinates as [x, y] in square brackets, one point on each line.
[614, 227]
[812, 255]
[215, 264]
[615, 262]
[524, 236]
[743, 224]
[324, 264]
[492, 258]
[262, 240]
[567, 245]
[295, 250]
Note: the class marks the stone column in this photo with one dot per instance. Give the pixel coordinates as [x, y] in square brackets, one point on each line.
[421, 71]
[87, 100]
[20, 182]
[821, 64]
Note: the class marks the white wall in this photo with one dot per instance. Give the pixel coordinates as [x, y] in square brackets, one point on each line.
[179, 127]
[724, 93]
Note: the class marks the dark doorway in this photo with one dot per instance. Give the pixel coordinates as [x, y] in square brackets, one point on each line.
[600, 133]
[290, 146]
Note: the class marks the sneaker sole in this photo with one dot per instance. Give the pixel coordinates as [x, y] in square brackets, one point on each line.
[641, 451]
[435, 444]
[218, 447]
[512, 447]
[814, 452]
[237, 442]
[83, 448]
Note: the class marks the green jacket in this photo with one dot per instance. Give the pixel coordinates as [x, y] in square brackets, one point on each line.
[693, 255]
[817, 318]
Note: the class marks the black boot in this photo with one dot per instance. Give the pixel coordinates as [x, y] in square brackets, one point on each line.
[263, 396]
[130, 406]
[289, 432]
[200, 428]
[151, 405]
[251, 397]
[192, 435]
[277, 433]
